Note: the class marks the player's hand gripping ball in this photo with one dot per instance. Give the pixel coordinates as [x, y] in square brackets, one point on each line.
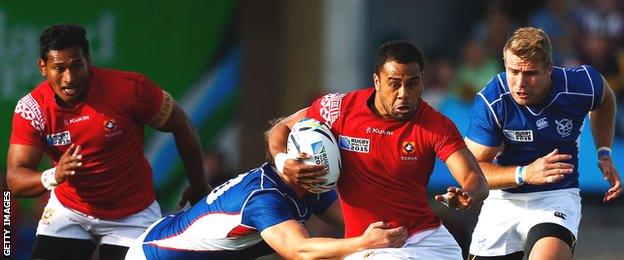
[315, 139]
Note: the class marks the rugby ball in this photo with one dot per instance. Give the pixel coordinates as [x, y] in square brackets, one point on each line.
[314, 138]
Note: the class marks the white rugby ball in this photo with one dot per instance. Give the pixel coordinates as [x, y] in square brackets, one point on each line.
[314, 138]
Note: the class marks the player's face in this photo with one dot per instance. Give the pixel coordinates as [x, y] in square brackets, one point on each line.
[398, 88]
[529, 82]
[67, 70]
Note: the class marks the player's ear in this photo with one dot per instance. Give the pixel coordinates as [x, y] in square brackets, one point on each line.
[377, 82]
[41, 64]
[549, 68]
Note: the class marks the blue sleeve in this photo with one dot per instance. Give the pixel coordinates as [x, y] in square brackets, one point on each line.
[596, 83]
[483, 128]
[325, 200]
[266, 209]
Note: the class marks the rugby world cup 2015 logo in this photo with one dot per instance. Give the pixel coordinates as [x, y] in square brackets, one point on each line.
[354, 144]
[320, 155]
[58, 139]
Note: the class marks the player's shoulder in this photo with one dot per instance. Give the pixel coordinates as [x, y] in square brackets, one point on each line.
[495, 88]
[340, 98]
[434, 118]
[579, 79]
[582, 70]
[38, 97]
[114, 77]
[262, 179]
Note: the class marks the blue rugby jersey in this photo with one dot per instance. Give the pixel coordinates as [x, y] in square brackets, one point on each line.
[530, 132]
[227, 223]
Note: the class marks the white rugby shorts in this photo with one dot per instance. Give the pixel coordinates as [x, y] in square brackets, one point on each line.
[60, 221]
[435, 243]
[506, 218]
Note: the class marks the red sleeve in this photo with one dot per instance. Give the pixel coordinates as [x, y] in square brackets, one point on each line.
[313, 110]
[326, 109]
[447, 138]
[148, 98]
[28, 123]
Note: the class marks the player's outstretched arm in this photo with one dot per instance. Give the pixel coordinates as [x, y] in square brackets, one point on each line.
[306, 175]
[602, 122]
[189, 148]
[291, 240]
[22, 175]
[467, 172]
[547, 169]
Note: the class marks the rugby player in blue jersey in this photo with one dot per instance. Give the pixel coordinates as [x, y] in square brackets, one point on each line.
[524, 131]
[254, 214]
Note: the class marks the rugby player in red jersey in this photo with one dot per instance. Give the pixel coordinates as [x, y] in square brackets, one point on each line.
[90, 122]
[389, 138]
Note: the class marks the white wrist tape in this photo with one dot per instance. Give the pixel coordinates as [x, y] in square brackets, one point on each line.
[520, 175]
[47, 178]
[280, 160]
[604, 151]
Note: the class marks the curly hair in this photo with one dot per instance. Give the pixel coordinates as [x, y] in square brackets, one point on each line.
[403, 52]
[62, 36]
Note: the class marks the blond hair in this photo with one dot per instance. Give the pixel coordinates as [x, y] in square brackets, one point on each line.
[530, 44]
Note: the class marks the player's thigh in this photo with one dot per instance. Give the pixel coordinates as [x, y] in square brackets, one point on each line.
[430, 244]
[47, 247]
[124, 231]
[60, 221]
[496, 231]
[561, 207]
[550, 241]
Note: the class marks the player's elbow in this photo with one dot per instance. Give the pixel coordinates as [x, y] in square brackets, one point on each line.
[483, 190]
[15, 184]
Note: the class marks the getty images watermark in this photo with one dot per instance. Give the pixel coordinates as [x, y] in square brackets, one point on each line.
[6, 223]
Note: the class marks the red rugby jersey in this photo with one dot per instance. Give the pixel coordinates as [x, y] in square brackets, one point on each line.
[386, 163]
[116, 178]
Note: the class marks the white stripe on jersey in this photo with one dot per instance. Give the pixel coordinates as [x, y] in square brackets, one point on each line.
[592, 85]
[196, 237]
[565, 77]
[490, 107]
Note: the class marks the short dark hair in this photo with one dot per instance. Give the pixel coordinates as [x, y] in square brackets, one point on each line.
[62, 36]
[403, 52]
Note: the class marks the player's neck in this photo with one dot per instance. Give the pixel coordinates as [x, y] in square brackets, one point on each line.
[375, 106]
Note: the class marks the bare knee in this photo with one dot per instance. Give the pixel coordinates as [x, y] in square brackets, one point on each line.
[550, 248]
